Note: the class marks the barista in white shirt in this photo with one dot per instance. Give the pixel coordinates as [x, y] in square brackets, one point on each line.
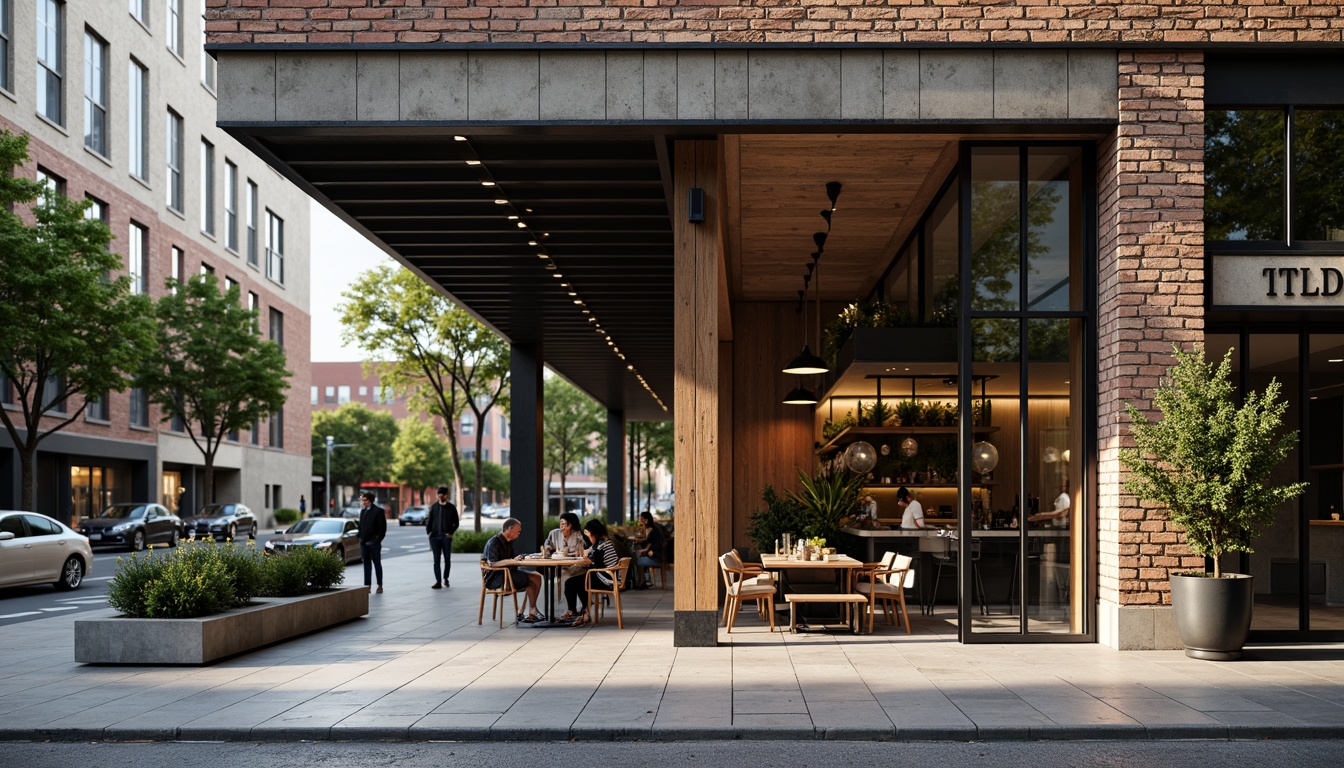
[912, 515]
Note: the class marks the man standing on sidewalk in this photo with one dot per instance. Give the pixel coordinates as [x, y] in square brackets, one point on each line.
[372, 529]
[441, 524]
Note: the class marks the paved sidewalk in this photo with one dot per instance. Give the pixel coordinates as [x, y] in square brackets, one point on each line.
[418, 667]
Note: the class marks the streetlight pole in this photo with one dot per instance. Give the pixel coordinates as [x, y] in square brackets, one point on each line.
[331, 445]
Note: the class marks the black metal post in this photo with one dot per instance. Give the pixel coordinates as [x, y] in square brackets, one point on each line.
[526, 478]
[615, 466]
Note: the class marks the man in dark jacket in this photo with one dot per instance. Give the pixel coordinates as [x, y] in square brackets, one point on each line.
[372, 529]
[440, 524]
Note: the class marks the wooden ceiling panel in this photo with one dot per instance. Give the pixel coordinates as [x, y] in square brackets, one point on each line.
[782, 189]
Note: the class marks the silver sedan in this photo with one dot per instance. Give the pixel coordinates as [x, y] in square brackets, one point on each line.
[331, 534]
[34, 549]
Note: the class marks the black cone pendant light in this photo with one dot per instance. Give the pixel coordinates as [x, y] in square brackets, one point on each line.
[807, 362]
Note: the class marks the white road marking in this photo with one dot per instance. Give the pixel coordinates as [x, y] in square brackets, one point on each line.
[17, 615]
[77, 600]
[99, 578]
[61, 608]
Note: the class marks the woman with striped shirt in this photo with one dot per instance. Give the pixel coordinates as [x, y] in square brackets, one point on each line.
[602, 554]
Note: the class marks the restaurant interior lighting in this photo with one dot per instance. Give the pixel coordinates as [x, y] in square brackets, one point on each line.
[800, 395]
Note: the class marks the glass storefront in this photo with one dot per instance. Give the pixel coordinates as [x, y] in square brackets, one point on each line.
[91, 489]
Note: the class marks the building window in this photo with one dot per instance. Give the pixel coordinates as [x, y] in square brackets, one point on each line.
[175, 424]
[504, 427]
[314, 395]
[50, 55]
[468, 454]
[277, 437]
[330, 396]
[468, 424]
[52, 185]
[504, 457]
[139, 262]
[206, 269]
[95, 93]
[251, 222]
[140, 10]
[230, 284]
[6, 393]
[275, 247]
[485, 424]
[139, 408]
[363, 391]
[174, 161]
[342, 395]
[208, 64]
[97, 210]
[178, 266]
[485, 454]
[207, 187]
[256, 431]
[230, 205]
[277, 327]
[53, 395]
[96, 408]
[175, 27]
[6, 10]
[137, 138]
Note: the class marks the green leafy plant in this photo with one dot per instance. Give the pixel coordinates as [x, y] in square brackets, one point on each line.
[866, 314]
[471, 541]
[909, 413]
[1207, 461]
[879, 414]
[287, 515]
[832, 428]
[828, 498]
[781, 515]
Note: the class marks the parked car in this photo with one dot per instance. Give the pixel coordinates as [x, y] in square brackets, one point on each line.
[222, 522]
[351, 511]
[493, 511]
[340, 537]
[133, 525]
[416, 514]
[34, 549]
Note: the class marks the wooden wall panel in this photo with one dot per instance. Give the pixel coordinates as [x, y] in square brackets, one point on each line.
[771, 441]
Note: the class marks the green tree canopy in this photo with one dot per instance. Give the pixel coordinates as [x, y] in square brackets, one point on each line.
[443, 357]
[420, 456]
[494, 477]
[67, 330]
[370, 435]
[651, 444]
[571, 424]
[210, 367]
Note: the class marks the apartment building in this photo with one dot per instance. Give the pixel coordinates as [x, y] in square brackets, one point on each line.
[118, 98]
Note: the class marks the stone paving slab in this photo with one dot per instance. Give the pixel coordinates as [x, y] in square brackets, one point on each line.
[420, 668]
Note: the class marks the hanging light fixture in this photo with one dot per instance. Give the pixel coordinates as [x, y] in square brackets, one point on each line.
[805, 362]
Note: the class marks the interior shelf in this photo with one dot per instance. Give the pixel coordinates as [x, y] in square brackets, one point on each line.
[852, 434]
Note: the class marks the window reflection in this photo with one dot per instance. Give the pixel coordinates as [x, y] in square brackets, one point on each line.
[1318, 175]
[1244, 157]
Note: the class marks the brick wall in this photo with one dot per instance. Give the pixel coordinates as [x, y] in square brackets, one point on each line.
[1150, 296]
[774, 21]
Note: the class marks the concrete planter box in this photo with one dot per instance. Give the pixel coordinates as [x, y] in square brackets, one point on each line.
[119, 640]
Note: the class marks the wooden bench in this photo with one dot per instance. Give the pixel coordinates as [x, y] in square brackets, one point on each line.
[850, 600]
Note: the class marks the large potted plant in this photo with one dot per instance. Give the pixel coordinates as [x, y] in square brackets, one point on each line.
[1208, 462]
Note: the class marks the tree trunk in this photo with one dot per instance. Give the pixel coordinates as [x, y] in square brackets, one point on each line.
[564, 472]
[476, 483]
[28, 498]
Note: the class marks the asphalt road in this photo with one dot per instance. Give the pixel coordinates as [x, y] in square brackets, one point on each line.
[701, 754]
[20, 604]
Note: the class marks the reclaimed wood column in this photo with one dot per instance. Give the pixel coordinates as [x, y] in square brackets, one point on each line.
[696, 393]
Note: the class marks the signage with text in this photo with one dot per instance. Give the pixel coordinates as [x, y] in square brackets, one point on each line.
[1279, 282]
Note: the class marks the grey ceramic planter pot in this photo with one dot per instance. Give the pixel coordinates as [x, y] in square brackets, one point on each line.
[1213, 616]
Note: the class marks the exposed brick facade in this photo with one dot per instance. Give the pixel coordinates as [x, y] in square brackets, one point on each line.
[1150, 296]
[775, 21]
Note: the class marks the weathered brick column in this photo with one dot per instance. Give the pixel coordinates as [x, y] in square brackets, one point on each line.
[1150, 296]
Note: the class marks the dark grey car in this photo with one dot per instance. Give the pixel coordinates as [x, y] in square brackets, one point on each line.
[222, 522]
[340, 537]
[133, 526]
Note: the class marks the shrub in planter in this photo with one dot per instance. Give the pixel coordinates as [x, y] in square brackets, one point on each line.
[302, 571]
[471, 541]
[287, 515]
[189, 581]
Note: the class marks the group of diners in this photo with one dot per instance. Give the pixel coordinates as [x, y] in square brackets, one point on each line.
[589, 542]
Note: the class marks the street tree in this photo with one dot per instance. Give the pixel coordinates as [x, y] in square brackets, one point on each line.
[494, 477]
[69, 332]
[650, 446]
[445, 359]
[420, 456]
[210, 366]
[571, 423]
[369, 436]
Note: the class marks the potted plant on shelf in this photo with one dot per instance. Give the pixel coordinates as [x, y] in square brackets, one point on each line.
[1209, 463]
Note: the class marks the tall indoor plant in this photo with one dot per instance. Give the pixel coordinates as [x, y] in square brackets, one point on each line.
[1209, 462]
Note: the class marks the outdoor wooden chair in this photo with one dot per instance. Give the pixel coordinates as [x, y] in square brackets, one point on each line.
[617, 573]
[744, 582]
[499, 593]
[887, 585]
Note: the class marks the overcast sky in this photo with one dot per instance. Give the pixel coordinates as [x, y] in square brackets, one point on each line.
[338, 255]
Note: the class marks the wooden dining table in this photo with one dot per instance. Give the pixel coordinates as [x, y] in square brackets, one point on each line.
[843, 565]
[548, 567]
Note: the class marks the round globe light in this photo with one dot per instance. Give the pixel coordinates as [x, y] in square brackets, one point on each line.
[860, 457]
[909, 447]
[984, 457]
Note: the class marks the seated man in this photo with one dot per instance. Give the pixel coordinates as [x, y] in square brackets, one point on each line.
[500, 548]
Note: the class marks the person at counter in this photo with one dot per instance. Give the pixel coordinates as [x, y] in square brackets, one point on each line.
[1060, 513]
[912, 512]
